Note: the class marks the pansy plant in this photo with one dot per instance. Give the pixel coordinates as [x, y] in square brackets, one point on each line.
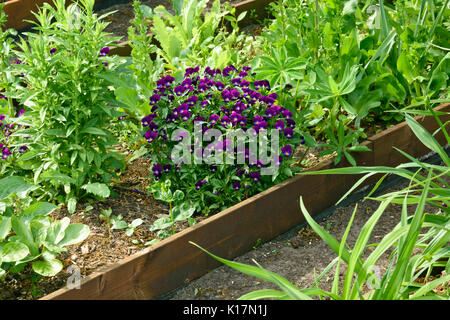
[217, 101]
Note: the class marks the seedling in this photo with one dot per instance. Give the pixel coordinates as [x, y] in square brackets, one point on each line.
[257, 244]
[132, 226]
[106, 216]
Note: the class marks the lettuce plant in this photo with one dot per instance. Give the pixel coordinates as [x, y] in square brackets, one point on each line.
[68, 103]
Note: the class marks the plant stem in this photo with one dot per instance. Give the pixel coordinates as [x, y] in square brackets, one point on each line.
[304, 155]
[171, 217]
[316, 19]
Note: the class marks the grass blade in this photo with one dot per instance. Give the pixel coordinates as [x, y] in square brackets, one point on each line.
[264, 294]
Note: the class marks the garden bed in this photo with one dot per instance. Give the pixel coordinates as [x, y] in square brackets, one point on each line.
[169, 264]
[115, 266]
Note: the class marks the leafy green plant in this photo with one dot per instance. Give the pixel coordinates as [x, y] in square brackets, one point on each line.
[29, 235]
[105, 215]
[179, 212]
[194, 35]
[362, 59]
[71, 149]
[117, 223]
[343, 144]
[7, 77]
[280, 69]
[132, 226]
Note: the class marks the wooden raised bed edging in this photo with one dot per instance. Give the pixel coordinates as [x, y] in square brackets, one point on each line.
[169, 264]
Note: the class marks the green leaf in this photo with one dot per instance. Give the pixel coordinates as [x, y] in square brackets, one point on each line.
[241, 16]
[137, 154]
[55, 232]
[128, 96]
[404, 67]
[136, 223]
[21, 229]
[75, 233]
[182, 212]
[259, 273]
[39, 231]
[161, 223]
[430, 286]
[72, 205]
[98, 189]
[178, 195]
[427, 139]
[13, 251]
[5, 227]
[47, 268]
[264, 294]
[14, 184]
[57, 177]
[94, 131]
[119, 224]
[39, 209]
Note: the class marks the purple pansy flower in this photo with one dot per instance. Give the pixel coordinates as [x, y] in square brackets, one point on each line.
[150, 136]
[179, 90]
[287, 151]
[146, 120]
[279, 125]
[154, 99]
[289, 133]
[213, 119]
[104, 51]
[255, 176]
[157, 170]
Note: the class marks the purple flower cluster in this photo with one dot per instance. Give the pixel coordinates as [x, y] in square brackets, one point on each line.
[5, 138]
[219, 99]
[104, 51]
